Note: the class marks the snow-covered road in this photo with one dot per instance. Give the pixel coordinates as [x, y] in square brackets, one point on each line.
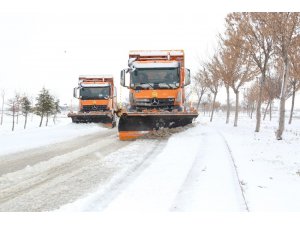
[202, 167]
[13, 162]
[45, 178]
[192, 172]
[173, 171]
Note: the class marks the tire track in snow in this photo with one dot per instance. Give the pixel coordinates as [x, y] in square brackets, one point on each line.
[106, 193]
[59, 180]
[17, 161]
[212, 183]
[157, 186]
[236, 170]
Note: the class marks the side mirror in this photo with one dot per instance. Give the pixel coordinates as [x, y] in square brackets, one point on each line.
[115, 92]
[187, 77]
[122, 78]
[76, 92]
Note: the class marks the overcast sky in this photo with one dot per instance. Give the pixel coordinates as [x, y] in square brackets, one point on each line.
[50, 44]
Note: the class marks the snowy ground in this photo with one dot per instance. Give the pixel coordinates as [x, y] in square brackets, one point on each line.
[269, 169]
[34, 136]
[207, 167]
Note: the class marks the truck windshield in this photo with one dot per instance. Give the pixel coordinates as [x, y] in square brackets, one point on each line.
[158, 78]
[94, 93]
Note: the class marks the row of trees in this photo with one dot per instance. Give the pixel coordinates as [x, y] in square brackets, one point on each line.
[260, 52]
[45, 106]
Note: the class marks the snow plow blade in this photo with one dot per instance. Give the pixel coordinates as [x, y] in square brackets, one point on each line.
[107, 118]
[133, 125]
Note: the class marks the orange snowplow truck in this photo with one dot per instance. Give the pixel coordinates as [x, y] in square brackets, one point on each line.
[156, 84]
[97, 100]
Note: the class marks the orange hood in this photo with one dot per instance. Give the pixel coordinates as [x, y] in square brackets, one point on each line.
[160, 93]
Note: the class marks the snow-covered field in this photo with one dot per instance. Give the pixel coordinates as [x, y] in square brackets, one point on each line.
[269, 169]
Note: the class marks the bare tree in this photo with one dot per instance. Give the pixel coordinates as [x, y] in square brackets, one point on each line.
[56, 110]
[213, 82]
[259, 43]
[199, 86]
[238, 59]
[285, 29]
[205, 102]
[250, 97]
[18, 106]
[271, 92]
[244, 75]
[12, 108]
[294, 78]
[225, 67]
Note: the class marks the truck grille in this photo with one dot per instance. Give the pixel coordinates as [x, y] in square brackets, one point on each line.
[155, 102]
[88, 108]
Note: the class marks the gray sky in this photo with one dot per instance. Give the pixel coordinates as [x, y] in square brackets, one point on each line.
[50, 44]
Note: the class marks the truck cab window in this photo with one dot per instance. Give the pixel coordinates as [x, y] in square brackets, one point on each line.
[94, 93]
[161, 77]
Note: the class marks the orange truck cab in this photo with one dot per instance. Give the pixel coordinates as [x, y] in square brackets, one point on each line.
[97, 100]
[156, 84]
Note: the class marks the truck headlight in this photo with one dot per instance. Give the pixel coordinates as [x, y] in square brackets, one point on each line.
[131, 98]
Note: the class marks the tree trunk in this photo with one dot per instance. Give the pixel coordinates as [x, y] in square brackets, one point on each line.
[42, 116]
[25, 121]
[236, 108]
[47, 117]
[199, 101]
[17, 118]
[270, 110]
[282, 100]
[213, 106]
[228, 105]
[258, 108]
[247, 109]
[13, 123]
[54, 118]
[265, 113]
[2, 108]
[252, 110]
[293, 103]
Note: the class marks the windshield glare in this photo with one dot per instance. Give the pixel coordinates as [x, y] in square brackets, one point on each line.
[161, 77]
[94, 93]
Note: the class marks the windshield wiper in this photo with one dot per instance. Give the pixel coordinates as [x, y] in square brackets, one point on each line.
[148, 84]
[140, 85]
[166, 84]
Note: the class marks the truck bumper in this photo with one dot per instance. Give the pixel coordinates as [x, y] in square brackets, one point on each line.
[107, 118]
